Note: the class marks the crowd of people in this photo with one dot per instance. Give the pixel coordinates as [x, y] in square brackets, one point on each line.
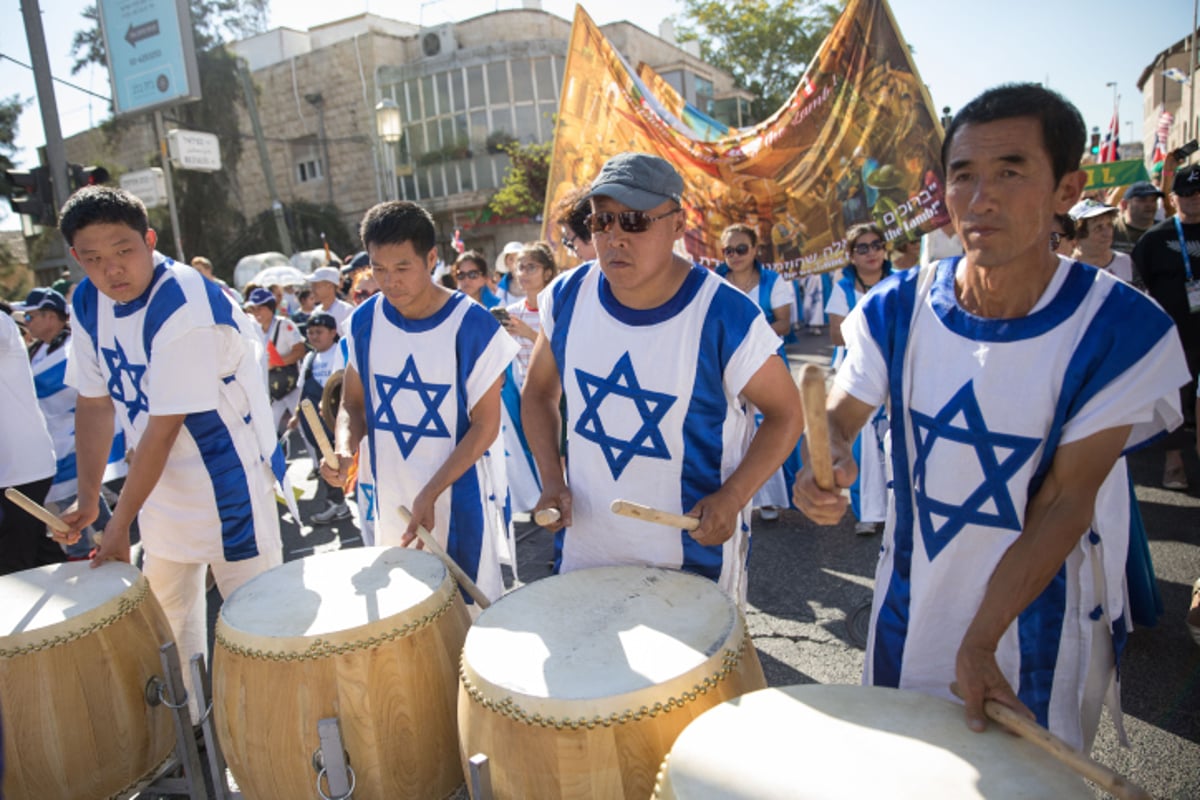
[980, 411]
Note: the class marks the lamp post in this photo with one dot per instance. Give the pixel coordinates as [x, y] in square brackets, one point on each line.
[388, 125]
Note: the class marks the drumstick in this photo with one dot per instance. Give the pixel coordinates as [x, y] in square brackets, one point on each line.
[1116, 785]
[816, 425]
[626, 508]
[318, 432]
[547, 516]
[36, 510]
[468, 585]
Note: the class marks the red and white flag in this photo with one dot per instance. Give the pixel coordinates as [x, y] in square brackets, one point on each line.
[457, 242]
[1112, 142]
[1165, 120]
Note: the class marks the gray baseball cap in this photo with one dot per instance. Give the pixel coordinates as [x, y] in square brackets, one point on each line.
[638, 180]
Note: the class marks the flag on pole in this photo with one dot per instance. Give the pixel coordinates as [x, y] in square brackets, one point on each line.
[457, 242]
[1175, 74]
[1112, 141]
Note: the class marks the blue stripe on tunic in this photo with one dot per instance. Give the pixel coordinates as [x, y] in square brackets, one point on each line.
[230, 486]
[50, 381]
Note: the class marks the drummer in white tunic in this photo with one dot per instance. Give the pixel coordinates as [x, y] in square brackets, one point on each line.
[423, 373]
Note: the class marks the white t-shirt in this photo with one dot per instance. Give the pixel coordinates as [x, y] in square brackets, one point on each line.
[520, 310]
[322, 365]
[340, 310]
[24, 440]
[284, 334]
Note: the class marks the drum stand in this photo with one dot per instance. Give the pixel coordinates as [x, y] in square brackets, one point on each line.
[480, 777]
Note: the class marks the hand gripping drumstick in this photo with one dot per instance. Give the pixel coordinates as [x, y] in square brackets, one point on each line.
[547, 516]
[41, 513]
[318, 431]
[468, 585]
[1116, 785]
[816, 425]
[626, 508]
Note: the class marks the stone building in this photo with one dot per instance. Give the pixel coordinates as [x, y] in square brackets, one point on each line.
[1163, 93]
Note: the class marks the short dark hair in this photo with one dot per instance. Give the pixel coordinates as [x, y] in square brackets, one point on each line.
[573, 211]
[541, 253]
[1063, 132]
[862, 229]
[1067, 224]
[742, 228]
[396, 222]
[94, 205]
[476, 258]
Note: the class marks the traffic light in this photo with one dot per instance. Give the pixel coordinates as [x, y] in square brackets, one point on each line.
[1095, 142]
[82, 176]
[31, 194]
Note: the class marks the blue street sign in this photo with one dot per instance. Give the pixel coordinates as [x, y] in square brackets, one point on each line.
[151, 53]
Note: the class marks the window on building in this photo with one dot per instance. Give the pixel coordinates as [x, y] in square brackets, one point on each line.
[497, 79]
[543, 72]
[522, 80]
[309, 170]
[475, 95]
[704, 94]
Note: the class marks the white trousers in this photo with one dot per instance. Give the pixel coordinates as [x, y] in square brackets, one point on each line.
[179, 588]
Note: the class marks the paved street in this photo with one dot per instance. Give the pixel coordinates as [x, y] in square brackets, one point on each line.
[810, 586]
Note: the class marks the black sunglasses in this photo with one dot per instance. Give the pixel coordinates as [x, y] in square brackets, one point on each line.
[630, 221]
[866, 247]
[468, 276]
[738, 250]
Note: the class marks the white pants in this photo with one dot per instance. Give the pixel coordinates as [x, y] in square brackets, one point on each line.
[179, 588]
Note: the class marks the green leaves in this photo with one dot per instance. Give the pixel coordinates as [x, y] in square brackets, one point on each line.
[524, 191]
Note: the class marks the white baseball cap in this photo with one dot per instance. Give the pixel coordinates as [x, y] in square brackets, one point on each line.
[328, 274]
[511, 247]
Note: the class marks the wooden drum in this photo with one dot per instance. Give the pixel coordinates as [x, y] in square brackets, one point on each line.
[823, 742]
[77, 648]
[577, 685]
[370, 636]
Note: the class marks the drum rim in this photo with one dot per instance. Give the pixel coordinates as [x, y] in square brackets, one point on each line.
[335, 643]
[108, 613]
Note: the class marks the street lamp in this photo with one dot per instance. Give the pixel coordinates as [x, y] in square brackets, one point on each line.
[389, 128]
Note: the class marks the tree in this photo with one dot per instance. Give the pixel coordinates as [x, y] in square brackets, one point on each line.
[764, 44]
[10, 113]
[524, 191]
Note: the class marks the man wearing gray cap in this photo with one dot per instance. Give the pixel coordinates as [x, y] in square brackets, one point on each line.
[1138, 206]
[657, 358]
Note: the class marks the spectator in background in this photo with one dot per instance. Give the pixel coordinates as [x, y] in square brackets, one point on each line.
[1094, 237]
[325, 359]
[471, 275]
[1138, 207]
[324, 283]
[905, 253]
[308, 306]
[64, 285]
[573, 211]
[205, 267]
[1062, 235]
[285, 348]
[503, 281]
[1166, 263]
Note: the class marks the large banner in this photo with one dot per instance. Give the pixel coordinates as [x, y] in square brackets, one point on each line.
[857, 142]
[702, 126]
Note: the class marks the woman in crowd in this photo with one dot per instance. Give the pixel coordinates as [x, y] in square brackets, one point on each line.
[867, 253]
[1062, 235]
[573, 211]
[471, 275]
[773, 295]
[1094, 237]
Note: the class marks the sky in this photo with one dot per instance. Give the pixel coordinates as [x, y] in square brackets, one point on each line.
[960, 49]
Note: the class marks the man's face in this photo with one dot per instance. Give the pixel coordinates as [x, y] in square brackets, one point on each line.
[1188, 205]
[263, 315]
[1001, 192]
[633, 261]
[403, 274]
[320, 337]
[43, 324]
[325, 292]
[116, 258]
[1139, 211]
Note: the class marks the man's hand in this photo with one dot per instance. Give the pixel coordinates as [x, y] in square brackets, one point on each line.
[718, 515]
[114, 544]
[337, 477]
[555, 494]
[422, 515]
[822, 507]
[980, 679]
[77, 517]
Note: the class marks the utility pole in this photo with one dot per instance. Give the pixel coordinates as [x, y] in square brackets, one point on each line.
[56, 151]
[160, 131]
[281, 228]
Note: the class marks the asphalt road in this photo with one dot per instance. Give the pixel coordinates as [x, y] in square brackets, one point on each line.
[808, 606]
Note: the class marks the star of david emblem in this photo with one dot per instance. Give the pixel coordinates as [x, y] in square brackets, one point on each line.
[1000, 457]
[429, 394]
[118, 369]
[368, 496]
[647, 440]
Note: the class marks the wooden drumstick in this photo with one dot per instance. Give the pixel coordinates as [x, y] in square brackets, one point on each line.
[647, 514]
[1080, 763]
[468, 585]
[318, 432]
[36, 510]
[816, 425]
[547, 516]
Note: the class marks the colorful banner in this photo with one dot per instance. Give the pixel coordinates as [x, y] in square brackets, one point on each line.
[857, 142]
[1114, 173]
[703, 126]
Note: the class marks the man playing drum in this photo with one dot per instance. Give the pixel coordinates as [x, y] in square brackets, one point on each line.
[424, 367]
[1015, 379]
[657, 358]
[179, 361]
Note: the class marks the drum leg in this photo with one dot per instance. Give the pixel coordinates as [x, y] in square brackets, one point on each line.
[330, 762]
[173, 694]
[481, 777]
[202, 686]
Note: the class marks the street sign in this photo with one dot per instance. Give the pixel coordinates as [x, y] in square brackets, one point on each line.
[151, 53]
[148, 184]
[194, 150]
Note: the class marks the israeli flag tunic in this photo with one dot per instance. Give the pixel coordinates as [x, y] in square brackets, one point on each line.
[978, 409]
[183, 347]
[654, 415]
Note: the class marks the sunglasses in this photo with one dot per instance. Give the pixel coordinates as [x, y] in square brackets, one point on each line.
[568, 240]
[530, 267]
[630, 221]
[739, 250]
[866, 247]
[469, 275]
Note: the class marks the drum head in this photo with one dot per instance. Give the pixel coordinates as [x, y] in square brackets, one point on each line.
[35, 599]
[819, 742]
[333, 592]
[599, 633]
